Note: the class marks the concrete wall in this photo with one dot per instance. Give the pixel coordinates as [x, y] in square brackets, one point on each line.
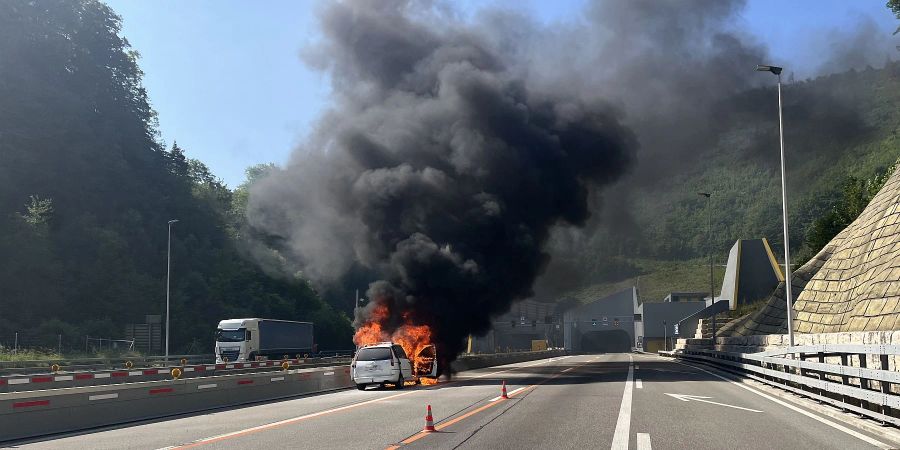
[853, 284]
[35, 413]
[858, 287]
[654, 314]
[62, 379]
[654, 345]
[479, 361]
[618, 309]
[751, 274]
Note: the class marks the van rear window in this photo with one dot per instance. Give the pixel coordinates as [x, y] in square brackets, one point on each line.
[374, 354]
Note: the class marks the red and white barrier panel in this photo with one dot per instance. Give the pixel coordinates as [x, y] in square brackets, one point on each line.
[35, 379]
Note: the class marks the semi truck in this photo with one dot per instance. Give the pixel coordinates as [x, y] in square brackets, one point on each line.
[239, 340]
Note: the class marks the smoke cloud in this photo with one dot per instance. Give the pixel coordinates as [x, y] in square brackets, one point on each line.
[438, 170]
[459, 154]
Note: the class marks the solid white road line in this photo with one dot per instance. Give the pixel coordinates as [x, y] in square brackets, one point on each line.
[643, 441]
[823, 420]
[638, 383]
[623, 424]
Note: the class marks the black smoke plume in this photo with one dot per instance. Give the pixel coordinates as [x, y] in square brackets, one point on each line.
[438, 170]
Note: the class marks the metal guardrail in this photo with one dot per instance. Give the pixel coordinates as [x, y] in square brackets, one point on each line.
[25, 367]
[860, 389]
[43, 363]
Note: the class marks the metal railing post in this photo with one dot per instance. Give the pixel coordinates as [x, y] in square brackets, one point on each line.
[845, 380]
[885, 386]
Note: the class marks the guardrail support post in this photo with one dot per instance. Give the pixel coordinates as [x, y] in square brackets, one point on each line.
[821, 375]
[803, 372]
[863, 383]
[885, 387]
[845, 380]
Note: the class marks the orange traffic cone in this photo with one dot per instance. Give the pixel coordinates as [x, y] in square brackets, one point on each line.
[503, 390]
[429, 422]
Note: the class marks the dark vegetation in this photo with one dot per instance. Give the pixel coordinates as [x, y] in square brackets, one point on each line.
[87, 189]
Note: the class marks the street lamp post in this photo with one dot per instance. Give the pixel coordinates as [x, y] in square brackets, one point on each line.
[665, 336]
[712, 288]
[787, 246]
[168, 278]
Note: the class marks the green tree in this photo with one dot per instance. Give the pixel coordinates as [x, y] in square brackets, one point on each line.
[894, 6]
[855, 196]
[38, 212]
[78, 129]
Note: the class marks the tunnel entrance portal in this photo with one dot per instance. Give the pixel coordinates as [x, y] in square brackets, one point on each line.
[607, 341]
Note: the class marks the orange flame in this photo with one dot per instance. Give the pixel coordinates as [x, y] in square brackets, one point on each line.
[413, 338]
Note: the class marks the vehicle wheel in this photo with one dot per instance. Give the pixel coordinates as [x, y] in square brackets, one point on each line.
[361, 387]
[400, 381]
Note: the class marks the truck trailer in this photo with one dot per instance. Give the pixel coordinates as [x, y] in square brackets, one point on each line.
[239, 340]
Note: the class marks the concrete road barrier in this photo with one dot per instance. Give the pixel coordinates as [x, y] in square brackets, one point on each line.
[43, 412]
[478, 361]
[37, 413]
[104, 377]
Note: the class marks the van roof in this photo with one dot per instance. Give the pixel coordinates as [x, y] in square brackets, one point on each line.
[378, 344]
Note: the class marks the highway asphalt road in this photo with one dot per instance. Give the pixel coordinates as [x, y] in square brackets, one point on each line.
[618, 401]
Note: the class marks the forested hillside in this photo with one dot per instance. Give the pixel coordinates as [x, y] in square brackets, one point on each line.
[87, 189]
[842, 134]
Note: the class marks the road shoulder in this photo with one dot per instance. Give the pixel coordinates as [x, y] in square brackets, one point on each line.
[885, 433]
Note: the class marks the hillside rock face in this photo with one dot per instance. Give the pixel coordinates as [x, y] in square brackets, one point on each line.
[853, 284]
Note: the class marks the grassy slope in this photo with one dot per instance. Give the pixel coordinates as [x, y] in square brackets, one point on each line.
[658, 280]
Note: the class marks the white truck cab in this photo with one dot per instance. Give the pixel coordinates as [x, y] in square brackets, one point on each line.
[233, 340]
[387, 363]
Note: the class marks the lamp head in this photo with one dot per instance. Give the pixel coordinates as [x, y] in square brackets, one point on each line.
[774, 69]
[173, 221]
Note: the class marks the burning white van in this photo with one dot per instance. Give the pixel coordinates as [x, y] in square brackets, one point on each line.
[386, 363]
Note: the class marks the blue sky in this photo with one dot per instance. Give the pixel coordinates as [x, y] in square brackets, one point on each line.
[228, 84]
